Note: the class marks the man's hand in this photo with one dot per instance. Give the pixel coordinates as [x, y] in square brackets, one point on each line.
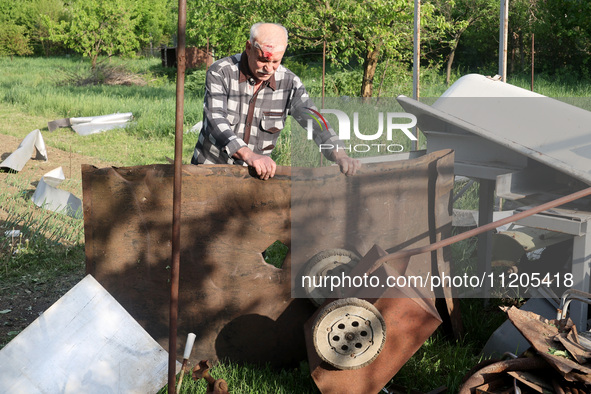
[347, 165]
[263, 165]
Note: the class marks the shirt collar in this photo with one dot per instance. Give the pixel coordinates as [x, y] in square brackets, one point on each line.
[245, 72]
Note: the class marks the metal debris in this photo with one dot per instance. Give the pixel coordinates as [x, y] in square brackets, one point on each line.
[86, 342]
[32, 143]
[558, 362]
[488, 377]
[214, 386]
[540, 333]
[410, 317]
[93, 124]
[48, 196]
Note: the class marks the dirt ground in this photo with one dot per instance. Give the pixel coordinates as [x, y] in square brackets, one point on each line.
[26, 297]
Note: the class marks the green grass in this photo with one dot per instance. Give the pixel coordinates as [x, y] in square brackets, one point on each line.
[48, 244]
[555, 86]
[35, 87]
[250, 379]
[276, 253]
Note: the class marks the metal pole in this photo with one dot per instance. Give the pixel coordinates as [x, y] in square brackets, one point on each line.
[407, 253]
[532, 62]
[323, 75]
[176, 201]
[207, 55]
[503, 37]
[323, 70]
[416, 67]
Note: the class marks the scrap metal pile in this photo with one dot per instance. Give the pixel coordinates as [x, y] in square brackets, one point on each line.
[559, 361]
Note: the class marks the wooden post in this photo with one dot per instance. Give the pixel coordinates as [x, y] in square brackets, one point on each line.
[207, 55]
[532, 62]
[323, 69]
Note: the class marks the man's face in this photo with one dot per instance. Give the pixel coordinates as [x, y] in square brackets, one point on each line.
[263, 62]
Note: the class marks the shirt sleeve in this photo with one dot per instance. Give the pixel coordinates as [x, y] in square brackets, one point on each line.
[217, 94]
[302, 109]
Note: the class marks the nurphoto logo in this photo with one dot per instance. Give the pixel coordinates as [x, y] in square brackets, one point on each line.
[344, 130]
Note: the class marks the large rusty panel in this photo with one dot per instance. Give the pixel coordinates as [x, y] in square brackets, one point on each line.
[239, 306]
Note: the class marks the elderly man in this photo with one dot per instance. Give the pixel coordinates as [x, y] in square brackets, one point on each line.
[247, 99]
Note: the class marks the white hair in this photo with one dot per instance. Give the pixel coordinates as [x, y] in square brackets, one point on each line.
[254, 30]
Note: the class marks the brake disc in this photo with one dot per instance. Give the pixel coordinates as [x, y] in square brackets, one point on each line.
[349, 333]
[331, 262]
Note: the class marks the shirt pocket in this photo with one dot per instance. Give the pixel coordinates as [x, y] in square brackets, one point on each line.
[272, 123]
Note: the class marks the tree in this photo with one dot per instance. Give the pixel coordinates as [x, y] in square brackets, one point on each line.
[155, 21]
[13, 40]
[95, 27]
[454, 18]
[34, 14]
[563, 35]
[354, 31]
[223, 26]
[366, 31]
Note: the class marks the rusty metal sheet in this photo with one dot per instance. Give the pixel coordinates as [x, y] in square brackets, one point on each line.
[541, 333]
[239, 306]
[410, 320]
[395, 205]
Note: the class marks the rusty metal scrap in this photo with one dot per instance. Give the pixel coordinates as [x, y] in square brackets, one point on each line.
[571, 344]
[490, 372]
[540, 333]
[539, 383]
[214, 386]
[410, 319]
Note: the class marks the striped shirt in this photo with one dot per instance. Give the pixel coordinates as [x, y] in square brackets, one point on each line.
[235, 115]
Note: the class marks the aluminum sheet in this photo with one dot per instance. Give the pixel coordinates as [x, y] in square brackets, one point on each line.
[32, 143]
[48, 196]
[84, 343]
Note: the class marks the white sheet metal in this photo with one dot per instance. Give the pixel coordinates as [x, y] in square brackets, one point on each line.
[84, 343]
[95, 124]
[31, 143]
[539, 127]
[476, 85]
[48, 196]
